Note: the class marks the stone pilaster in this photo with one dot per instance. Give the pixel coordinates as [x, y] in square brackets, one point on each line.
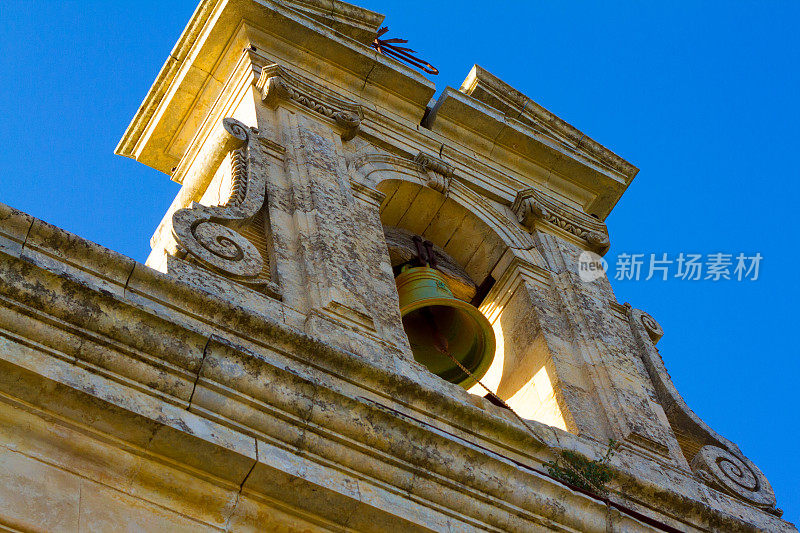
[332, 242]
[606, 349]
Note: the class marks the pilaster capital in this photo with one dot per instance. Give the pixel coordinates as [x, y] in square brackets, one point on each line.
[277, 83]
[533, 207]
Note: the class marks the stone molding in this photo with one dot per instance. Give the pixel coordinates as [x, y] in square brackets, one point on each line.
[492, 91]
[367, 194]
[244, 74]
[216, 22]
[460, 118]
[208, 234]
[277, 83]
[532, 207]
[510, 274]
[440, 173]
[370, 169]
[717, 461]
[14, 229]
[213, 393]
[356, 22]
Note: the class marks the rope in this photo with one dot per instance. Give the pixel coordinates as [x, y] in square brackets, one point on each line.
[441, 345]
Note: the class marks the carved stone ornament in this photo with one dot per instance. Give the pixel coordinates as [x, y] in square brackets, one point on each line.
[653, 328]
[276, 83]
[439, 173]
[532, 207]
[735, 475]
[371, 168]
[203, 232]
[715, 460]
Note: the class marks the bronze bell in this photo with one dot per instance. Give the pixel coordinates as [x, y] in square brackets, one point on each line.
[437, 323]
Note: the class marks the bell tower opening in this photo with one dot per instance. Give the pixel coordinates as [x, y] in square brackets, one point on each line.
[479, 323]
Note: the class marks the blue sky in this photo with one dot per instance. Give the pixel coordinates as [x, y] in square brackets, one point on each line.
[701, 96]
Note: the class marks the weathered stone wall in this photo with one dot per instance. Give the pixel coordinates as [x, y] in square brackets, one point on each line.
[165, 405]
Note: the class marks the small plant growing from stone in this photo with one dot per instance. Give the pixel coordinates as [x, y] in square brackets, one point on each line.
[576, 470]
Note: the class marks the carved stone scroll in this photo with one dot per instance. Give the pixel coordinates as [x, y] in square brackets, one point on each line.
[715, 460]
[276, 83]
[439, 173]
[531, 207]
[207, 234]
[735, 475]
[653, 328]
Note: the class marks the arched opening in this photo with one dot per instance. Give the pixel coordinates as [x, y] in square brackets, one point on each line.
[522, 373]
[435, 217]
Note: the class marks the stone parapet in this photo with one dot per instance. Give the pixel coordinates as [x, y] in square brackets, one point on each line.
[189, 410]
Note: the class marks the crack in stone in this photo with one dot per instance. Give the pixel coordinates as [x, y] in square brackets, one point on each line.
[494, 140]
[366, 78]
[199, 371]
[241, 488]
[127, 281]
[27, 235]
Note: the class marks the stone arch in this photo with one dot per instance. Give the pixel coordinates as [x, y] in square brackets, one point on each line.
[403, 181]
[413, 196]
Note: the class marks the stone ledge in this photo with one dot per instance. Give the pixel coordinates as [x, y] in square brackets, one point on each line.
[494, 92]
[507, 139]
[197, 53]
[14, 228]
[446, 417]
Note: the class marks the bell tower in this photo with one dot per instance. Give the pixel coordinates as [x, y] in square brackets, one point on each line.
[362, 311]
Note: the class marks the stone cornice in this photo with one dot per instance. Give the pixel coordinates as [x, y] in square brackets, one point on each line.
[127, 145]
[187, 327]
[243, 75]
[276, 83]
[493, 179]
[198, 60]
[354, 21]
[492, 91]
[505, 136]
[156, 136]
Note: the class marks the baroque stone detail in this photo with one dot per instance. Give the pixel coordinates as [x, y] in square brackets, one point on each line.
[203, 232]
[732, 474]
[714, 459]
[531, 207]
[369, 169]
[440, 174]
[276, 83]
[653, 328]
